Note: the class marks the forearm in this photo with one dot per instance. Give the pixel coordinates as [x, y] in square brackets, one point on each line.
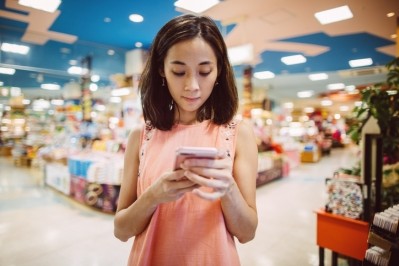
[133, 220]
[241, 219]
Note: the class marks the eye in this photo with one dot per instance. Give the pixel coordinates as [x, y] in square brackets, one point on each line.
[179, 74]
[204, 74]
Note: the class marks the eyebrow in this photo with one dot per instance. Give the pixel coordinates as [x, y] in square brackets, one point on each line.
[176, 62]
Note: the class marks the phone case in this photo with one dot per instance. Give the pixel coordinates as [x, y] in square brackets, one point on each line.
[183, 153]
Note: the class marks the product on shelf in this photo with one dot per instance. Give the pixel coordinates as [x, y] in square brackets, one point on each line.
[384, 239]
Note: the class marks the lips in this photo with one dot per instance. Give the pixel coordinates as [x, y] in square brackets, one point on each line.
[191, 99]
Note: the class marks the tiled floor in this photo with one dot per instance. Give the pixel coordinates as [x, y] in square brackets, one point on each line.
[39, 226]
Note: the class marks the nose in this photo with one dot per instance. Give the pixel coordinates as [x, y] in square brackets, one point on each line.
[191, 83]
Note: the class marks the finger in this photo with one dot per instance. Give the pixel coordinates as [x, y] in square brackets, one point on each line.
[184, 183]
[175, 175]
[208, 195]
[206, 182]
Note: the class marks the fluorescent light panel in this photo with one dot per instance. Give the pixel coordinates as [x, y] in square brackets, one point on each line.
[242, 54]
[14, 48]
[45, 5]
[75, 70]
[361, 62]
[120, 92]
[293, 59]
[334, 15]
[7, 71]
[196, 6]
[50, 86]
[318, 76]
[335, 86]
[264, 75]
[304, 94]
[326, 102]
[136, 18]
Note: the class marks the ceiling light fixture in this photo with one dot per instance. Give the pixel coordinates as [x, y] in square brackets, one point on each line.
[45, 5]
[308, 109]
[242, 54]
[334, 15]
[7, 71]
[305, 94]
[288, 105]
[264, 75]
[75, 70]
[326, 102]
[293, 59]
[50, 87]
[196, 6]
[95, 78]
[335, 86]
[14, 48]
[120, 92]
[318, 76]
[58, 102]
[361, 62]
[136, 18]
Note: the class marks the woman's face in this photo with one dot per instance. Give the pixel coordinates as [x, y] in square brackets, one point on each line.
[190, 69]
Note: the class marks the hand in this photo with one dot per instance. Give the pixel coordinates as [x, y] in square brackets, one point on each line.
[171, 186]
[213, 173]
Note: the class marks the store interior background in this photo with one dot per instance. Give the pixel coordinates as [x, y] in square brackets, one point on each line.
[70, 127]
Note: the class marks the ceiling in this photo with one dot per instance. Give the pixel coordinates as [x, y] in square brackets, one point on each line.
[275, 28]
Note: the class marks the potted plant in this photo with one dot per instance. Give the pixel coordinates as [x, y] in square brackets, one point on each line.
[381, 101]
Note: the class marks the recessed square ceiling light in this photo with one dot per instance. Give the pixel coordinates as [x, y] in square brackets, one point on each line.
[334, 15]
[45, 5]
[7, 70]
[242, 54]
[326, 102]
[293, 59]
[50, 86]
[14, 48]
[305, 94]
[336, 86]
[196, 6]
[264, 75]
[361, 62]
[318, 76]
[137, 18]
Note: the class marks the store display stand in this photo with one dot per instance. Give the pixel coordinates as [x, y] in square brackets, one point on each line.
[341, 235]
[347, 236]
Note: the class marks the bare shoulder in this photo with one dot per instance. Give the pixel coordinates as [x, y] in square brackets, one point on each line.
[245, 130]
[133, 141]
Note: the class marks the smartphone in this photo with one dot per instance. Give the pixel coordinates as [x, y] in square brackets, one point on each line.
[183, 153]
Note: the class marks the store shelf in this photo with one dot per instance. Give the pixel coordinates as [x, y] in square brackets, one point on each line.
[341, 235]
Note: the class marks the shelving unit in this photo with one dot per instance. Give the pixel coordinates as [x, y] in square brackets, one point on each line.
[383, 239]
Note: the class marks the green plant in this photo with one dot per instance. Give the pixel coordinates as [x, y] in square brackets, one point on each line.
[381, 101]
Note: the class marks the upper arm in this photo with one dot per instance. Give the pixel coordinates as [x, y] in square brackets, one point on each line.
[128, 192]
[245, 168]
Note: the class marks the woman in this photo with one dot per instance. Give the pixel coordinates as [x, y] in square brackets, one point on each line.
[188, 216]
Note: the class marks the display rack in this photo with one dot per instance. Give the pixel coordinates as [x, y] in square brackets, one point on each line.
[347, 236]
[383, 239]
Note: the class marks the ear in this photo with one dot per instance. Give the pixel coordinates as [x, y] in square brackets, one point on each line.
[161, 72]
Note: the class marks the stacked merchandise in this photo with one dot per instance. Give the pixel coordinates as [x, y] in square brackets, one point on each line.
[384, 239]
[96, 178]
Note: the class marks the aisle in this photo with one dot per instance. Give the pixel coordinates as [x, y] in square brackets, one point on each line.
[39, 226]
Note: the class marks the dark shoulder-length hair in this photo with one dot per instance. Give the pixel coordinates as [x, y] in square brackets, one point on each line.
[222, 104]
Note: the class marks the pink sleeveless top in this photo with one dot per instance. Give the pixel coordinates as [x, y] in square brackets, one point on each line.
[189, 231]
